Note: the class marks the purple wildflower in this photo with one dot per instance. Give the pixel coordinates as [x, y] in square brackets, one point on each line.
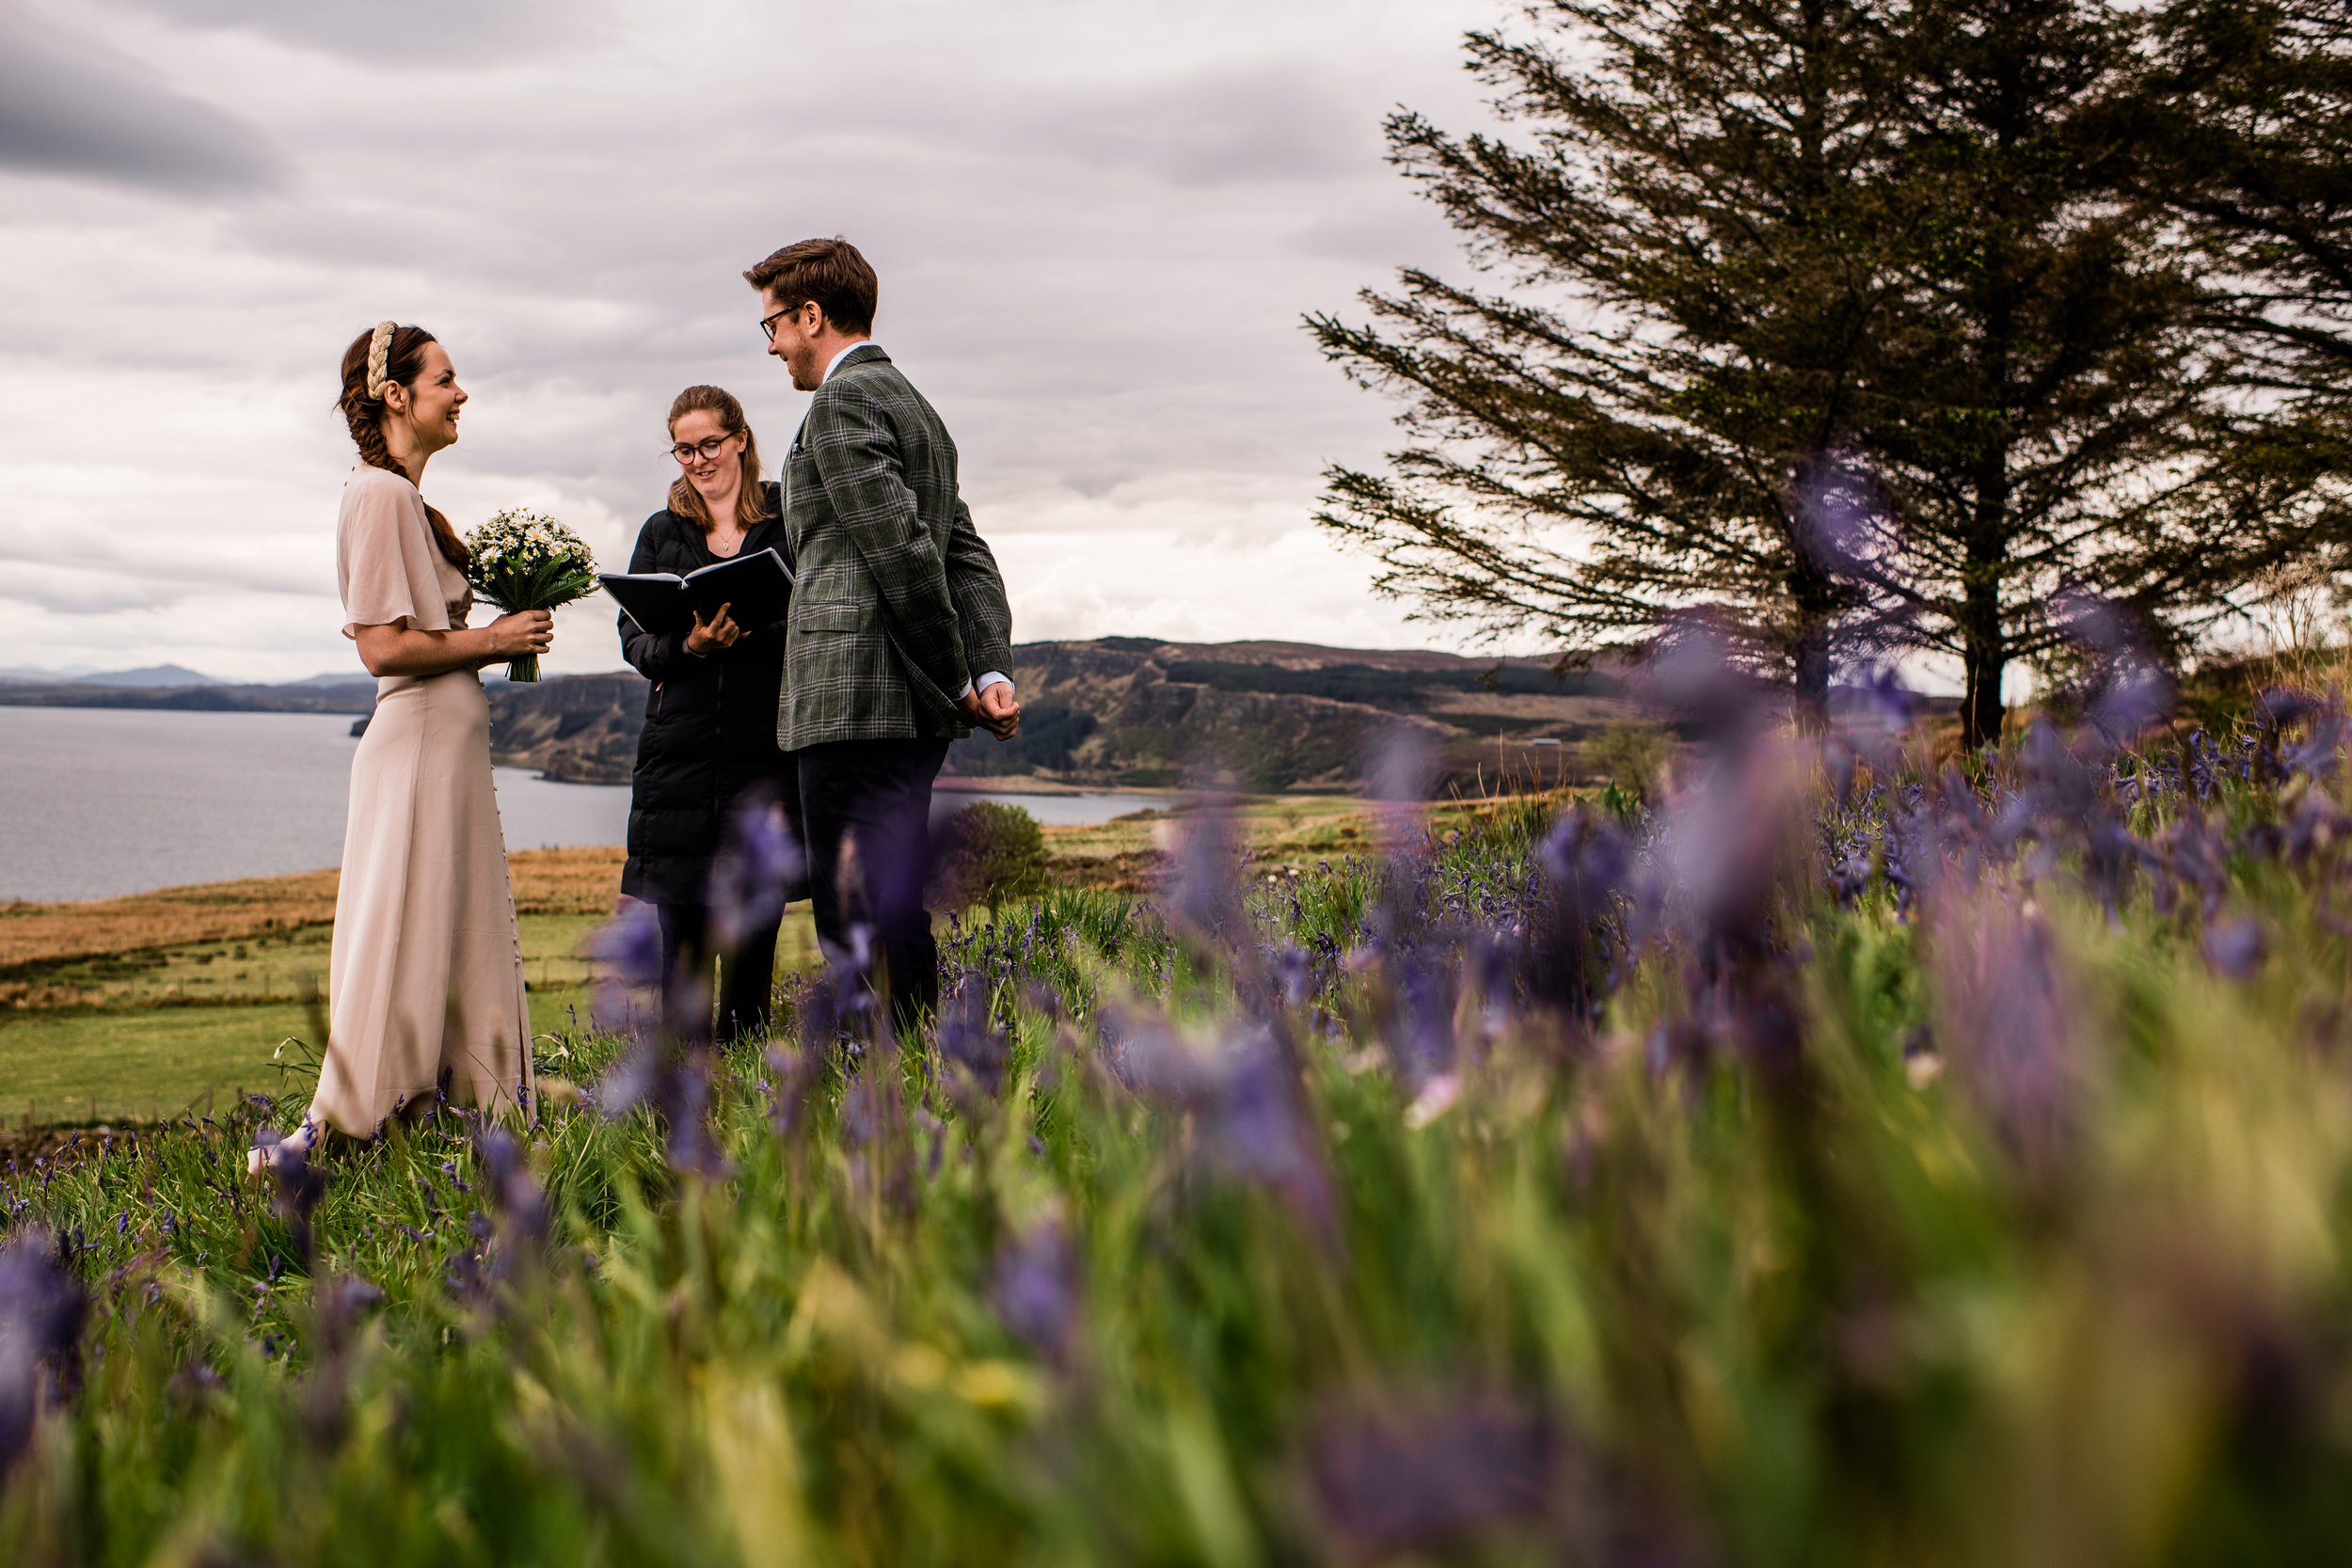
[296, 1184]
[2129, 687]
[2006, 1023]
[2235, 947]
[754, 873]
[1035, 1289]
[42, 1308]
[1416, 1481]
[1203, 892]
[973, 1051]
[521, 1207]
[628, 947]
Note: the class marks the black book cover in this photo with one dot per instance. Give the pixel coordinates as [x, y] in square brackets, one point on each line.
[756, 588]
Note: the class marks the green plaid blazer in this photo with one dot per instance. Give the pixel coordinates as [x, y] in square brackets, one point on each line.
[898, 601]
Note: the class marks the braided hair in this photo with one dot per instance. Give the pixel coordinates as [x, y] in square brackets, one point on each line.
[403, 358]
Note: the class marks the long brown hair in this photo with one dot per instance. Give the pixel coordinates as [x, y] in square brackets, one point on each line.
[403, 362]
[751, 501]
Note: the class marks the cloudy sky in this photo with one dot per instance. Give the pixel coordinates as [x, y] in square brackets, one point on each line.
[1097, 224]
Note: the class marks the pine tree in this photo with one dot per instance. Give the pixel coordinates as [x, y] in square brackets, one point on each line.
[2246, 129]
[1650, 409]
[2050, 386]
[1843, 319]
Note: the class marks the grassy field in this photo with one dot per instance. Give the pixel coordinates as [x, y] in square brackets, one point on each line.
[149, 1063]
[1858, 1162]
[136, 1009]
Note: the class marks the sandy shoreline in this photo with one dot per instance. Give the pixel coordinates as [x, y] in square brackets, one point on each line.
[1030, 784]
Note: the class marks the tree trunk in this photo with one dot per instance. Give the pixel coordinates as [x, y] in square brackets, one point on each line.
[1984, 656]
[1812, 698]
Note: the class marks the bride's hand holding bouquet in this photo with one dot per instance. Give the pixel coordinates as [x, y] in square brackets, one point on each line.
[519, 635]
[527, 563]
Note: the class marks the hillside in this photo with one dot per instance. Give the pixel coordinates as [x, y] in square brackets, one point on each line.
[1280, 715]
[1136, 712]
[355, 696]
[1112, 712]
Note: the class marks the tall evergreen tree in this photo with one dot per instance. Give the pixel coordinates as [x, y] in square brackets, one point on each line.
[1650, 407]
[1751, 245]
[2048, 389]
[2246, 131]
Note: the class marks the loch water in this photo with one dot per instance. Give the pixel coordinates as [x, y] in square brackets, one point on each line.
[95, 802]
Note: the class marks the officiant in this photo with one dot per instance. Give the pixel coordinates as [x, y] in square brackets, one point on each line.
[709, 749]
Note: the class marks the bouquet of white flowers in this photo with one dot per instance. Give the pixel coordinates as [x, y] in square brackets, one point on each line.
[525, 560]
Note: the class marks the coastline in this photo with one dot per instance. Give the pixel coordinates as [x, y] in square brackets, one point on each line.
[1030, 784]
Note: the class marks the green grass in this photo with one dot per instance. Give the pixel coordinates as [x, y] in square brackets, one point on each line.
[151, 1033]
[1791, 1254]
[148, 1032]
[141, 1064]
[276, 966]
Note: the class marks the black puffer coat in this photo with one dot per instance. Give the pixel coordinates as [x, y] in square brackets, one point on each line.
[710, 723]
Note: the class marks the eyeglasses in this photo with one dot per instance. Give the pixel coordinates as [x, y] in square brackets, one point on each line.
[767, 323]
[704, 451]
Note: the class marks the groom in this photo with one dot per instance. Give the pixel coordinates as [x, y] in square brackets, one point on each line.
[899, 634]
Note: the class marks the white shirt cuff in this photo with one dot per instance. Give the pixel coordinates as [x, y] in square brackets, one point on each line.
[992, 677]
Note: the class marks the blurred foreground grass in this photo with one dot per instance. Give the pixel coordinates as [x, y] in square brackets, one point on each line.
[1856, 1189]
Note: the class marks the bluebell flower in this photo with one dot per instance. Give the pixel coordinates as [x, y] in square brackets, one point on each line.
[628, 946]
[42, 1309]
[1034, 1289]
[2235, 947]
[759, 865]
[1418, 1475]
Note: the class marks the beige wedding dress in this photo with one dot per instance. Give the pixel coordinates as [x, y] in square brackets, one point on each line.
[426, 977]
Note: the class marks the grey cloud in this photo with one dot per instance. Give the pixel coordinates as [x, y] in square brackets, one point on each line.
[67, 592]
[85, 575]
[71, 106]
[1100, 286]
[1383, 240]
[482, 33]
[1263, 124]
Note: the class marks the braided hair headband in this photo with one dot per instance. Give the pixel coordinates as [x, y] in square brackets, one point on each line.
[379, 357]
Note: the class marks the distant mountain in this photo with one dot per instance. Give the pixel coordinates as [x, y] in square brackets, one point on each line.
[1274, 716]
[337, 677]
[1115, 711]
[57, 691]
[152, 677]
[575, 729]
[1137, 711]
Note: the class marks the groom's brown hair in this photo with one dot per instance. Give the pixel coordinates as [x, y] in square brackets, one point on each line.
[831, 272]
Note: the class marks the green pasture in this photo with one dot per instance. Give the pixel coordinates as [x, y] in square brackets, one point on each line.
[142, 1064]
[144, 1035]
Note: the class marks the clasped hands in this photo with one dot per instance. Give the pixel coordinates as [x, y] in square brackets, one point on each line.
[995, 710]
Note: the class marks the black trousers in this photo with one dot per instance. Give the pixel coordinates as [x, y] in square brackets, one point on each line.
[866, 808]
[746, 986]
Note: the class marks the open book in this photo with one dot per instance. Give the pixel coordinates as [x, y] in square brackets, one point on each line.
[756, 587]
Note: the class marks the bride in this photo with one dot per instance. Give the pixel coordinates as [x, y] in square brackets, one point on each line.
[425, 984]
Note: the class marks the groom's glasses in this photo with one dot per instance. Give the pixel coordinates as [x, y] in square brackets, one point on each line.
[767, 323]
[688, 451]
